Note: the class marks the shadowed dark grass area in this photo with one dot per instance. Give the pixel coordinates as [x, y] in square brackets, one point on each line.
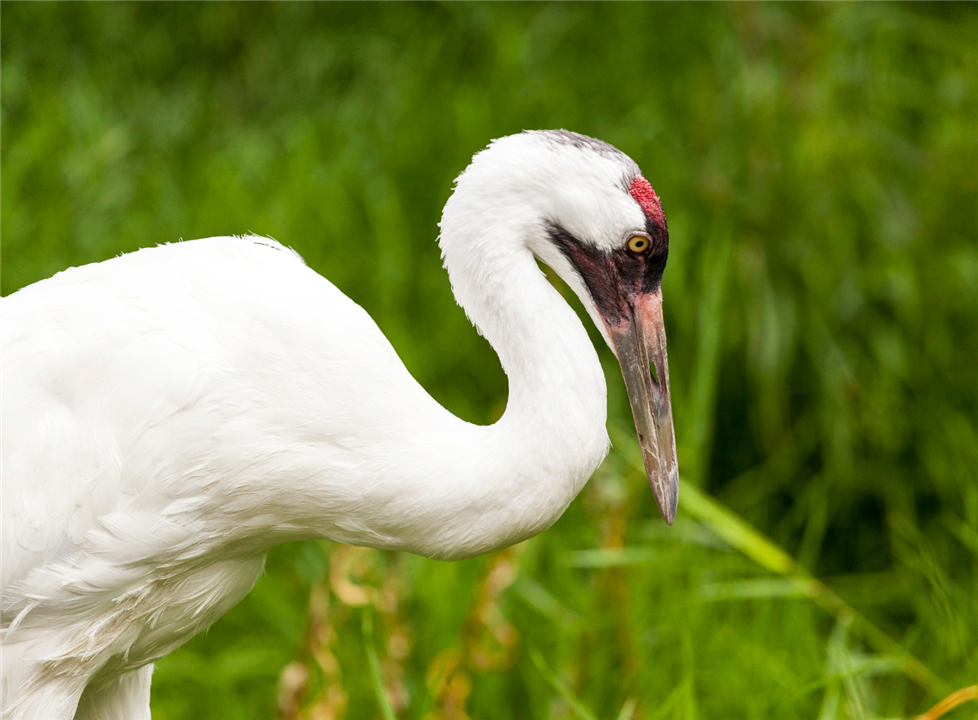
[817, 167]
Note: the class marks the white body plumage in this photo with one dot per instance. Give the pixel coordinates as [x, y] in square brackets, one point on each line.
[170, 414]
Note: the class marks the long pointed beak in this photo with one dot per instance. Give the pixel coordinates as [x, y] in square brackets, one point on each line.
[639, 341]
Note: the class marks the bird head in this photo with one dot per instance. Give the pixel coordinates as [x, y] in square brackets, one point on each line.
[585, 209]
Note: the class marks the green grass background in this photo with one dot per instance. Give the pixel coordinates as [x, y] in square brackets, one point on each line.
[819, 168]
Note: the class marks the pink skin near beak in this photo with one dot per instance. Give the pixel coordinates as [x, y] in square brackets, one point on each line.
[638, 341]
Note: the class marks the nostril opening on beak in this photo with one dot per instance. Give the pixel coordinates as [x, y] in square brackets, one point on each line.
[655, 377]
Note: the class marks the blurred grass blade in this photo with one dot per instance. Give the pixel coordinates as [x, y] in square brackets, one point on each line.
[951, 702]
[608, 557]
[543, 601]
[557, 684]
[743, 537]
[961, 530]
[760, 588]
[671, 702]
[715, 268]
[375, 675]
[628, 709]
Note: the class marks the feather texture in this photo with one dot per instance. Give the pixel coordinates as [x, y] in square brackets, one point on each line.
[170, 414]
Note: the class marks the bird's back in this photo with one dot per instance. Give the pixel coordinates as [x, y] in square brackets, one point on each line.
[146, 404]
[98, 357]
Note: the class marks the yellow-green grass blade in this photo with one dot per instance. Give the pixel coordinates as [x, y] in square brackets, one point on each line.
[375, 675]
[582, 710]
[745, 538]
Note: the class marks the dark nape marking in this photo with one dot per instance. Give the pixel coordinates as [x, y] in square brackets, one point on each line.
[583, 142]
[273, 246]
[614, 277]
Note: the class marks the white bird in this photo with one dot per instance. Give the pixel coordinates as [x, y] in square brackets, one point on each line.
[170, 414]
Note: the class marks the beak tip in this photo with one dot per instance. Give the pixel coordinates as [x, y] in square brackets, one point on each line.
[669, 503]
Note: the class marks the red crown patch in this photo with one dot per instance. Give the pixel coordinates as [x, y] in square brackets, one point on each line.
[644, 195]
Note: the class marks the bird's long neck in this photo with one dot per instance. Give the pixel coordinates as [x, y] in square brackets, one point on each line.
[552, 368]
[521, 473]
[433, 484]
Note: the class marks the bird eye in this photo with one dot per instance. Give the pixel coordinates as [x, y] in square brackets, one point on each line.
[638, 244]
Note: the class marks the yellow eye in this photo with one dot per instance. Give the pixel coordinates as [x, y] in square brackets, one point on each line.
[638, 244]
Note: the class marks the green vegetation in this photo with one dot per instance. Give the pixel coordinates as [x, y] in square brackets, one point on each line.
[817, 164]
